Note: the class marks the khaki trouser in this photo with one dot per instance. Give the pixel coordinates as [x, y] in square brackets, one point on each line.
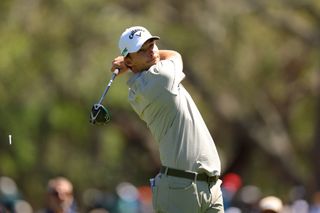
[181, 195]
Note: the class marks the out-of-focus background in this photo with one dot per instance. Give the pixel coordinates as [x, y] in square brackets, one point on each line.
[253, 68]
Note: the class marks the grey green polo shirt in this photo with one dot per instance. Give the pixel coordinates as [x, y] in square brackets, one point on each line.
[175, 122]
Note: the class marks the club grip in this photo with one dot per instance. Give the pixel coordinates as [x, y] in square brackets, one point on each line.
[116, 71]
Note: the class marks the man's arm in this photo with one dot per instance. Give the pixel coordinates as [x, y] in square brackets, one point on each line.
[168, 54]
[175, 57]
[172, 69]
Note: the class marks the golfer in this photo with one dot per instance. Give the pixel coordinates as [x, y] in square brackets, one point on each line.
[188, 181]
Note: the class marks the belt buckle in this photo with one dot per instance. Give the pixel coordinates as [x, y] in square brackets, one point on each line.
[212, 179]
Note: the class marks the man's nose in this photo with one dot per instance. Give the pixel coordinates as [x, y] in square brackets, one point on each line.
[153, 50]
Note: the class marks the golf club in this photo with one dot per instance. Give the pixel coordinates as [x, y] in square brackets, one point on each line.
[99, 113]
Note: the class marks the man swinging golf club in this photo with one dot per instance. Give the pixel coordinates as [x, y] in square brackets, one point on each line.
[188, 181]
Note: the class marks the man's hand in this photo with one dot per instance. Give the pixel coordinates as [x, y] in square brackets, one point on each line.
[118, 63]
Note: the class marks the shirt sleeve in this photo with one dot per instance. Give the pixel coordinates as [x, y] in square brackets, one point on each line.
[169, 74]
[177, 71]
[161, 79]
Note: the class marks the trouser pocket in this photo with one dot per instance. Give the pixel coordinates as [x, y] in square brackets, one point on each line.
[183, 196]
[159, 193]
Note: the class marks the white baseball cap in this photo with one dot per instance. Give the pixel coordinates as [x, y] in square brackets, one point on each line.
[271, 203]
[133, 38]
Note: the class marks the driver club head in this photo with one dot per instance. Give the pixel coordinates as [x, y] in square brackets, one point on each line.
[99, 114]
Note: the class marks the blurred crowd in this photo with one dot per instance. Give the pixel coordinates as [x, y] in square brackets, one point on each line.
[127, 198]
[239, 198]
[60, 198]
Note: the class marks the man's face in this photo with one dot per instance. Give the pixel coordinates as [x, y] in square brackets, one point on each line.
[147, 56]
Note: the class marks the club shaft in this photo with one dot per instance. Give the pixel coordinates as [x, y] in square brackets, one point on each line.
[114, 74]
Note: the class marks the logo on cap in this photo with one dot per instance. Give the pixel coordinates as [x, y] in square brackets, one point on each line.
[134, 32]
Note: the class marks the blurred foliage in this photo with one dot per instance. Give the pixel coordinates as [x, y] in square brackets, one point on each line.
[252, 67]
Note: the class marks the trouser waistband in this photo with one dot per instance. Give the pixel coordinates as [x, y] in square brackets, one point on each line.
[189, 175]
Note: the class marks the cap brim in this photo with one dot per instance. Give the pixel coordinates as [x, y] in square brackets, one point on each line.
[138, 47]
[154, 37]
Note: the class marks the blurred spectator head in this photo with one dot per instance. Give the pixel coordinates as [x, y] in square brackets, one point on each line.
[22, 206]
[250, 195]
[270, 204]
[233, 210]
[232, 182]
[316, 198]
[128, 197]
[60, 194]
[8, 193]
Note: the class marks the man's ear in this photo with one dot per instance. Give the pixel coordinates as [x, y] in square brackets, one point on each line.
[128, 61]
